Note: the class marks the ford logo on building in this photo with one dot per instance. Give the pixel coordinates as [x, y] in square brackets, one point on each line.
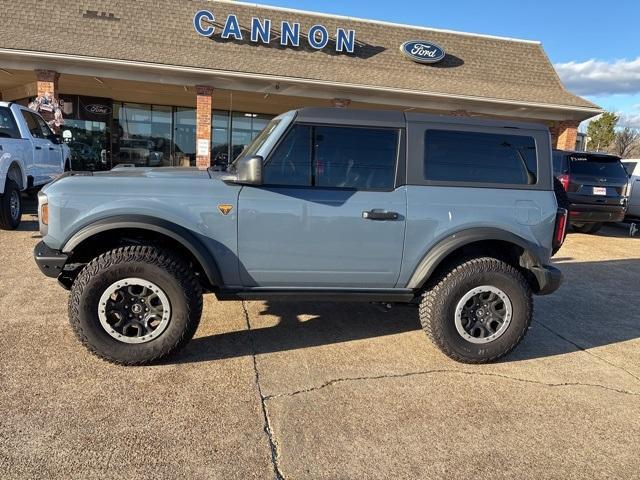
[422, 52]
[98, 109]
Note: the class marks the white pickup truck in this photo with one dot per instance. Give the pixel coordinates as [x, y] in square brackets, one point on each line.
[31, 155]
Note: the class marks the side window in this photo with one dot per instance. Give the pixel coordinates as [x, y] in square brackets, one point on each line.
[33, 125]
[290, 164]
[8, 127]
[457, 156]
[46, 131]
[361, 158]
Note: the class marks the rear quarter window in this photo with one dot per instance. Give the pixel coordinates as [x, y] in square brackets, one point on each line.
[8, 126]
[473, 157]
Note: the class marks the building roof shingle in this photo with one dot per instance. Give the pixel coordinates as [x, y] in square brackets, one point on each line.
[161, 31]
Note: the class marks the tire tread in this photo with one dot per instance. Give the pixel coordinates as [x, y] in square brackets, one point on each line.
[441, 287]
[150, 255]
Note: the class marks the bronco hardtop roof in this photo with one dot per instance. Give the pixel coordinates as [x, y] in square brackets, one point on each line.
[399, 119]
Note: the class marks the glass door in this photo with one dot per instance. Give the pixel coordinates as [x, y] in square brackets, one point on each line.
[86, 131]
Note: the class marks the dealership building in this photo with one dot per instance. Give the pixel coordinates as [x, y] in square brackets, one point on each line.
[176, 82]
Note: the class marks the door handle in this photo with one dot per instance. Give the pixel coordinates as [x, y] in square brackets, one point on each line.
[380, 215]
[52, 148]
[38, 148]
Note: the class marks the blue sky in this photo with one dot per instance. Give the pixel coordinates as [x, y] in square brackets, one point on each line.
[594, 45]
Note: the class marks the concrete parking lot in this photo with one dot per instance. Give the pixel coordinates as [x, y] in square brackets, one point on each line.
[317, 390]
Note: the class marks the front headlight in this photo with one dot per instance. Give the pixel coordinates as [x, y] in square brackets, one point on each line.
[43, 213]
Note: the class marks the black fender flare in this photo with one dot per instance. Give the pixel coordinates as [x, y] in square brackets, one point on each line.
[180, 234]
[437, 254]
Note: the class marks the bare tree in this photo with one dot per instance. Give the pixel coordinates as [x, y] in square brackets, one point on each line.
[626, 142]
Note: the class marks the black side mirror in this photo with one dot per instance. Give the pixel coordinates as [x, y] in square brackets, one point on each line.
[249, 171]
[56, 138]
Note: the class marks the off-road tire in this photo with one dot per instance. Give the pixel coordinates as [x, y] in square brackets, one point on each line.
[7, 222]
[161, 267]
[439, 300]
[595, 227]
[587, 228]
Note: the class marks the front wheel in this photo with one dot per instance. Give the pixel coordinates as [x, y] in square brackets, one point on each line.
[10, 206]
[478, 311]
[135, 305]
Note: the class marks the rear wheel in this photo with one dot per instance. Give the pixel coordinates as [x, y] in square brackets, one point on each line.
[135, 305]
[478, 311]
[10, 206]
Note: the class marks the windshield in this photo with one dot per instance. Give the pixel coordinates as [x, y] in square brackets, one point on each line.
[266, 140]
[252, 149]
[598, 166]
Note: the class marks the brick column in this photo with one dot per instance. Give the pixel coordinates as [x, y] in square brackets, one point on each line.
[564, 134]
[203, 124]
[47, 83]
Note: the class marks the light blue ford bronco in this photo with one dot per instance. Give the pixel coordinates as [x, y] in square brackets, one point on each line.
[457, 216]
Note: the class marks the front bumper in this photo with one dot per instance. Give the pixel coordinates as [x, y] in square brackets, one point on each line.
[50, 261]
[584, 213]
[549, 279]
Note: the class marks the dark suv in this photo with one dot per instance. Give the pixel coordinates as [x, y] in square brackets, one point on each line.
[595, 185]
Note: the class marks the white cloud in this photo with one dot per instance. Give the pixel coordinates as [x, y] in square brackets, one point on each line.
[629, 120]
[596, 77]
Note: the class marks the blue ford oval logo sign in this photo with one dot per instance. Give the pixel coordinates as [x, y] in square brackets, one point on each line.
[422, 52]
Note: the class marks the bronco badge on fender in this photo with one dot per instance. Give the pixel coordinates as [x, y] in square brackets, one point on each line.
[225, 208]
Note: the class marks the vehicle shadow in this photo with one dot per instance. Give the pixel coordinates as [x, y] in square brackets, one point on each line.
[29, 222]
[590, 310]
[328, 323]
[618, 230]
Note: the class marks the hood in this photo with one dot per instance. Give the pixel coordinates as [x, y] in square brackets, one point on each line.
[154, 172]
[164, 175]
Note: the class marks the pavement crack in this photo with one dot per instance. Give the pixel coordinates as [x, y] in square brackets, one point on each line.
[265, 413]
[587, 351]
[446, 371]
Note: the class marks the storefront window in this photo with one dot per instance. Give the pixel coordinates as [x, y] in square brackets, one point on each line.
[142, 135]
[184, 136]
[86, 129]
[87, 141]
[220, 129]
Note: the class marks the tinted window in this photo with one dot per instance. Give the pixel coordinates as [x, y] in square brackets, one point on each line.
[598, 166]
[46, 131]
[630, 166]
[360, 158]
[290, 164]
[34, 126]
[560, 163]
[8, 127]
[456, 156]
